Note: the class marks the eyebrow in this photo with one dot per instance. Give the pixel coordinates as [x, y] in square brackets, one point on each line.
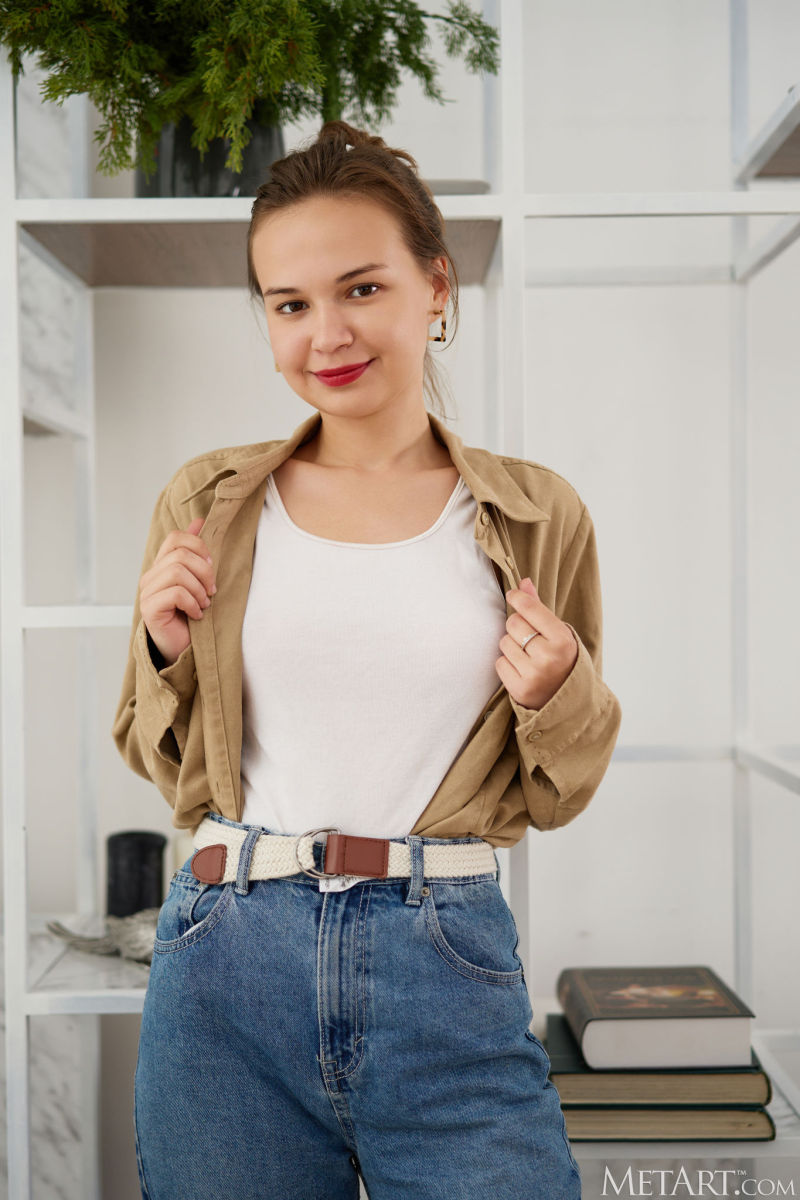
[290, 291]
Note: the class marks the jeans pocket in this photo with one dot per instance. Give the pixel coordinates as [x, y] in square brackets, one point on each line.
[191, 910]
[473, 930]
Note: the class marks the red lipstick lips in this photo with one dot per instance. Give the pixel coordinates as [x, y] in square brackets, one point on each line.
[337, 376]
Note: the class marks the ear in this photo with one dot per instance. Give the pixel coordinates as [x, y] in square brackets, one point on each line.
[441, 288]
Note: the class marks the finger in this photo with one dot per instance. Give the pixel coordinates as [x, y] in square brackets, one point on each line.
[519, 627]
[508, 674]
[188, 537]
[180, 598]
[517, 658]
[538, 615]
[162, 607]
[169, 574]
[194, 560]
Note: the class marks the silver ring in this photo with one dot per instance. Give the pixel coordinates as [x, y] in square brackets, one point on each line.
[313, 870]
[525, 640]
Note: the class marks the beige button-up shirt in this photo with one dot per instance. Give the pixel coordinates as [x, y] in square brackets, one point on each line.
[181, 725]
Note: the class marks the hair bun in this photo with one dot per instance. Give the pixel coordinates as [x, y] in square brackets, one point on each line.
[347, 135]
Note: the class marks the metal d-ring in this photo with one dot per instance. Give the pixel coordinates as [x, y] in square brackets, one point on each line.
[312, 870]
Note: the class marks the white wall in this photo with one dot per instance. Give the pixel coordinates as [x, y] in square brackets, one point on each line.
[628, 396]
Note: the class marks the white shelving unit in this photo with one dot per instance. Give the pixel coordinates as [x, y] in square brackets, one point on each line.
[128, 242]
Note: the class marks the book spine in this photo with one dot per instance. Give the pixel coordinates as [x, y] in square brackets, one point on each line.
[572, 1002]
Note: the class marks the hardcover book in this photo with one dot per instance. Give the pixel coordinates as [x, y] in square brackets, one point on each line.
[653, 1124]
[578, 1083]
[670, 1016]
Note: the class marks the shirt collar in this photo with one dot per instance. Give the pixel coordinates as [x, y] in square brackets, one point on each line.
[482, 471]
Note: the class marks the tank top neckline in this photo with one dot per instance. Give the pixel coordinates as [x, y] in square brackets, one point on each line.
[443, 515]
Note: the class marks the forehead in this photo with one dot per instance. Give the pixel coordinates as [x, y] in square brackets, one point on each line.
[325, 235]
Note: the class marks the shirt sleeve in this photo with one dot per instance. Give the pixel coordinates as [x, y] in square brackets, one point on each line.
[152, 718]
[565, 746]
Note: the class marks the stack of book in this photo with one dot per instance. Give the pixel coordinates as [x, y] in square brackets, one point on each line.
[656, 1054]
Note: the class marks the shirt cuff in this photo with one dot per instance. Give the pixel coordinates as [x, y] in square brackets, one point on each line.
[545, 734]
[160, 693]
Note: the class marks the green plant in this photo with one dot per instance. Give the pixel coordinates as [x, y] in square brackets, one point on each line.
[222, 63]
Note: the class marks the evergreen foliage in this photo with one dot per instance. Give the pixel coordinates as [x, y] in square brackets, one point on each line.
[223, 63]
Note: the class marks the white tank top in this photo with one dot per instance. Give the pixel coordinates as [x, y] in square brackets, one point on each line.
[365, 666]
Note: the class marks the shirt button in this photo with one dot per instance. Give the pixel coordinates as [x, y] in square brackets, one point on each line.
[485, 518]
[534, 734]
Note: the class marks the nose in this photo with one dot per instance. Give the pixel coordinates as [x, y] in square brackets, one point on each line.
[331, 329]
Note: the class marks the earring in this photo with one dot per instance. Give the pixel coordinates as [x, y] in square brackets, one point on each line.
[443, 336]
[277, 368]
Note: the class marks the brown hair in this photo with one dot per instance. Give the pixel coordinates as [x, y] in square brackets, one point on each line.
[373, 170]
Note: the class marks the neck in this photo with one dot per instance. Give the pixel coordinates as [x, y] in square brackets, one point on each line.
[379, 443]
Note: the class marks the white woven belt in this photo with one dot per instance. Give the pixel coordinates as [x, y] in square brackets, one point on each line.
[276, 855]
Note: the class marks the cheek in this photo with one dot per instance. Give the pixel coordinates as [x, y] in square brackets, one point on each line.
[283, 341]
[401, 333]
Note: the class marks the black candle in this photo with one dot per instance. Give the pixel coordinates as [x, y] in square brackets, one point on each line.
[135, 872]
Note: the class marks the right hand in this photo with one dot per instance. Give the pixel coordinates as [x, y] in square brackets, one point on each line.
[176, 587]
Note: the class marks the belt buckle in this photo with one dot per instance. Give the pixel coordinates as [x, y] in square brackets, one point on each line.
[312, 870]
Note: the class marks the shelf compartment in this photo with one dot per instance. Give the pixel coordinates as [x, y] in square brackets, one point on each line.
[62, 979]
[774, 152]
[202, 243]
[56, 420]
[779, 1051]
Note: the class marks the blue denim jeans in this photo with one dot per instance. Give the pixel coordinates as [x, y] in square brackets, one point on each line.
[292, 1038]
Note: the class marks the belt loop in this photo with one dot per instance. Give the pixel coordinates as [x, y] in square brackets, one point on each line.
[245, 856]
[417, 850]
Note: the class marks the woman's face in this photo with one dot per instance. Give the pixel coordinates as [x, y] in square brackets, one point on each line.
[319, 320]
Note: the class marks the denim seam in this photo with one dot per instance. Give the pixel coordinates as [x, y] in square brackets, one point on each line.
[361, 1002]
[137, 1145]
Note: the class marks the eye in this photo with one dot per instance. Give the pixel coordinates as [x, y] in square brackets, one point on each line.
[357, 288]
[366, 285]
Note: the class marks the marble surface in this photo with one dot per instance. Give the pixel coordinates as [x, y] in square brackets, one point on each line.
[47, 334]
[48, 311]
[55, 967]
[56, 1124]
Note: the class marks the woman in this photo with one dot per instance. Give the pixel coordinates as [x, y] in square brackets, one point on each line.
[312, 683]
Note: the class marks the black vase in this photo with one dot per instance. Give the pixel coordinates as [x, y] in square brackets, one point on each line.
[180, 170]
[135, 872]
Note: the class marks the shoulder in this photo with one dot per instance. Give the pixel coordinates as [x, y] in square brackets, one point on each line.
[529, 488]
[541, 484]
[206, 469]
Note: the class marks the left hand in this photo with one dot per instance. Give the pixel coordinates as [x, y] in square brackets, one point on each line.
[534, 675]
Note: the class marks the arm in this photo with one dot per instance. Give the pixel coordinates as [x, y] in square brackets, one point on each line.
[565, 746]
[152, 718]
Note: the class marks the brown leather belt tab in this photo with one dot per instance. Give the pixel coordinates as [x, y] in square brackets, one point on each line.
[208, 864]
[346, 854]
